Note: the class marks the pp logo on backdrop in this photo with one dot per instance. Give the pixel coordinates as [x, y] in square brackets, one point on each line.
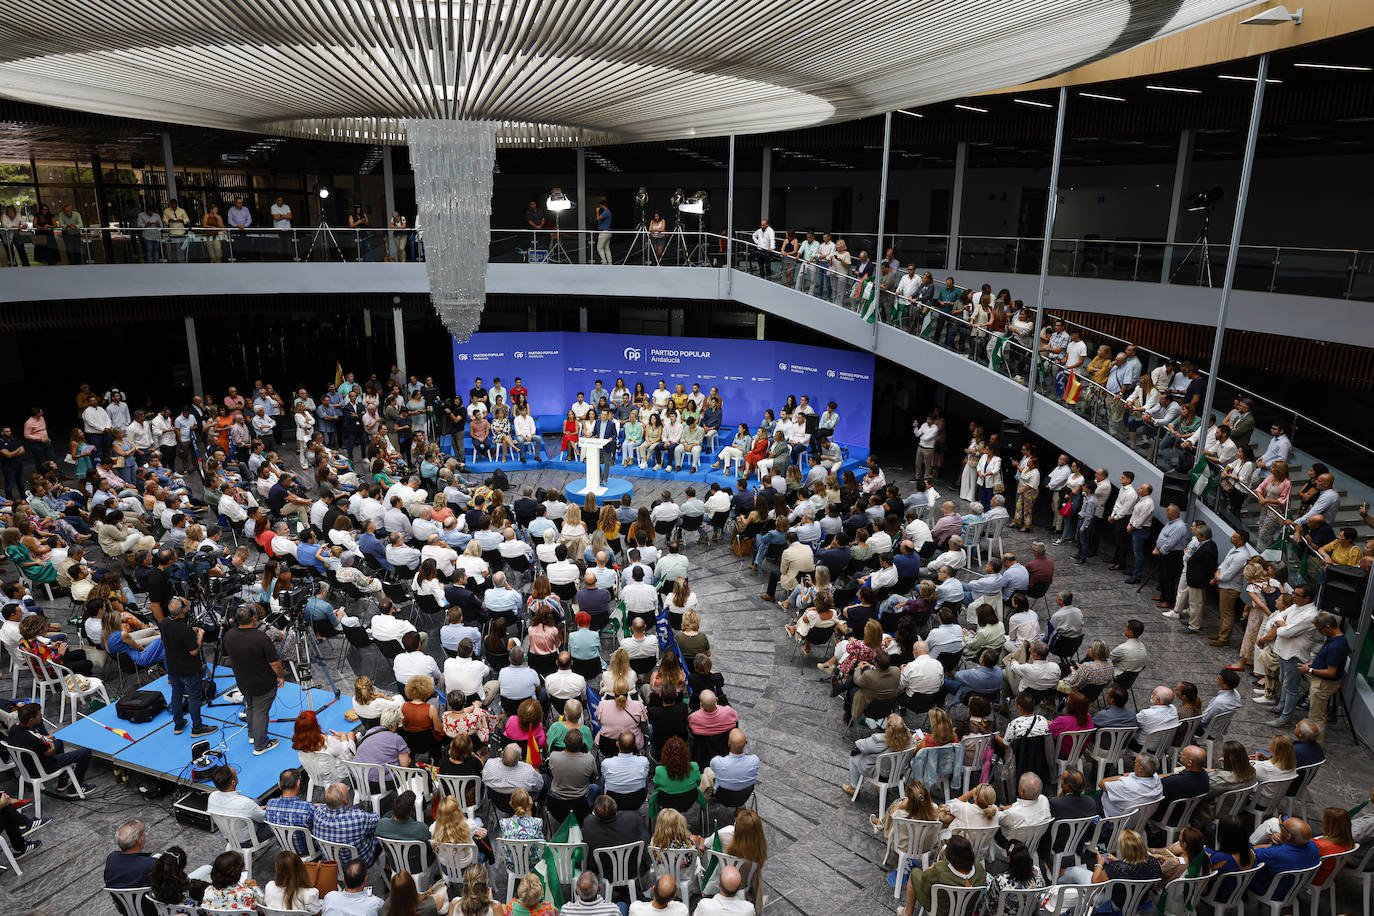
[633, 354]
[782, 366]
[462, 357]
[520, 354]
[830, 373]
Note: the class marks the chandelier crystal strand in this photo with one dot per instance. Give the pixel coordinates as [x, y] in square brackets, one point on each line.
[453, 163]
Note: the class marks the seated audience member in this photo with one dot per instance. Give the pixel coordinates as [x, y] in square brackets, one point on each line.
[609, 826]
[1030, 809]
[509, 772]
[1115, 714]
[1125, 791]
[864, 758]
[289, 809]
[290, 888]
[1134, 862]
[957, 867]
[226, 799]
[129, 865]
[356, 898]
[338, 820]
[1288, 848]
[1160, 715]
[735, 771]
[230, 887]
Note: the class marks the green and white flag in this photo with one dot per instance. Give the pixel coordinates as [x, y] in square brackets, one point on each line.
[711, 862]
[998, 353]
[547, 868]
[867, 294]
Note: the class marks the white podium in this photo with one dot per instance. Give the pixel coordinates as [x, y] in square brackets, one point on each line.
[591, 454]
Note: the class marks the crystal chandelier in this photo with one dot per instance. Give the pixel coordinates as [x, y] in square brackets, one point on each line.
[453, 163]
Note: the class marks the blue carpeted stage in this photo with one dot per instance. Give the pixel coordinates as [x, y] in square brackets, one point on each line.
[158, 752]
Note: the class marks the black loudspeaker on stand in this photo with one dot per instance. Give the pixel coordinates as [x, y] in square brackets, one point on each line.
[1174, 489]
[1342, 591]
[1012, 434]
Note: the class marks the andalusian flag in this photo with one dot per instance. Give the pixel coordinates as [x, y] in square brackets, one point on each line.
[867, 294]
[338, 374]
[547, 869]
[998, 353]
[1201, 476]
[1072, 388]
[711, 861]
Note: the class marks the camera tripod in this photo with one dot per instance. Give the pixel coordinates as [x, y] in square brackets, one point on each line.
[557, 253]
[300, 653]
[323, 233]
[641, 241]
[1202, 248]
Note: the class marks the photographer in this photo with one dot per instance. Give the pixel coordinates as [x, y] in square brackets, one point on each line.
[257, 671]
[182, 642]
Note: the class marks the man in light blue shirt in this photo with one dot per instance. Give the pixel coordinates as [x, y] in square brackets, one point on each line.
[950, 591]
[1279, 447]
[986, 586]
[518, 681]
[1325, 504]
[673, 565]
[948, 636]
[452, 537]
[626, 772]
[539, 524]
[455, 631]
[605, 576]
[806, 255]
[1227, 699]
[502, 600]
[737, 770]
[1015, 577]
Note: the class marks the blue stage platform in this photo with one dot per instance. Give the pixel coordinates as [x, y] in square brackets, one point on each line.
[616, 487]
[158, 752]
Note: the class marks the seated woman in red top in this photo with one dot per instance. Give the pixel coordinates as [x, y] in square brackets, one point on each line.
[758, 452]
[569, 444]
[941, 730]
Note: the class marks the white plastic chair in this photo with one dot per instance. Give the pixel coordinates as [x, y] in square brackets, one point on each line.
[399, 852]
[412, 778]
[1109, 749]
[69, 692]
[617, 866]
[992, 531]
[1298, 795]
[287, 835]
[1227, 892]
[128, 900]
[1176, 815]
[680, 863]
[1256, 804]
[343, 853]
[750, 873]
[1073, 899]
[1294, 885]
[913, 841]
[889, 772]
[973, 536]
[1066, 837]
[566, 859]
[234, 828]
[1182, 895]
[264, 910]
[363, 776]
[1365, 869]
[979, 837]
[460, 787]
[27, 764]
[1184, 735]
[1106, 831]
[520, 857]
[1233, 801]
[1338, 862]
[175, 909]
[1078, 742]
[453, 858]
[1017, 902]
[973, 748]
[1214, 735]
[317, 776]
[950, 900]
[1029, 834]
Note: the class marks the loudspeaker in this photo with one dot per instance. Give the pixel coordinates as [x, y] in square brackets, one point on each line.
[1174, 490]
[1012, 434]
[1342, 591]
[189, 810]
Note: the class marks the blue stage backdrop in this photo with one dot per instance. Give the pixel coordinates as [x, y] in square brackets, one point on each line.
[752, 375]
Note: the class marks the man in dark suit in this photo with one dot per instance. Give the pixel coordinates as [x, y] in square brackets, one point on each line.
[612, 827]
[607, 428]
[1070, 804]
[351, 422]
[457, 594]
[743, 500]
[1200, 561]
[835, 556]
[526, 508]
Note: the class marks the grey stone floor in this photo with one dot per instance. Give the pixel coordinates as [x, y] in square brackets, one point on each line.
[823, 857]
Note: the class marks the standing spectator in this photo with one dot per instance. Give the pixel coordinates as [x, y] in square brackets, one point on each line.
[1327, 667]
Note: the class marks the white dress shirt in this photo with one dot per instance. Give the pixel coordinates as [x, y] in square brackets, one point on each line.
[1125, 501]
[413, 664]
[922, 675]
[465, 674]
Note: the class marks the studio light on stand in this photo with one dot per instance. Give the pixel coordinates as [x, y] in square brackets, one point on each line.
[697, 205]
[556, 204]
[1203, 202]
[322, 231]
[640, 242]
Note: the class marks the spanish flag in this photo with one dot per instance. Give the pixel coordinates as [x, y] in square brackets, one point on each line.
[1072, 389]
[338, 374]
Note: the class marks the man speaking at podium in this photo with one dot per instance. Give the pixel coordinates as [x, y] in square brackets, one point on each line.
[607, 428]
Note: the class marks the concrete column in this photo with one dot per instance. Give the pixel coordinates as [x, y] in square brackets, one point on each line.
[760, 326]
[1183, 171]
[169, 165]
[766, 188]
[388, 184]
[730, 211]
[581, 221]
[193, 354]
[398, 322]
[956, 206]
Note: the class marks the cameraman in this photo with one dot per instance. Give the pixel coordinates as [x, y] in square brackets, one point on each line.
[257, 671]
[182, 642]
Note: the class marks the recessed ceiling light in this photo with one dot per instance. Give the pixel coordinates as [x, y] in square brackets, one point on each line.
[1243, 79]
[971, 108]
[1182, 89]
[912, 114]
[1098, 95]
[1334, 67]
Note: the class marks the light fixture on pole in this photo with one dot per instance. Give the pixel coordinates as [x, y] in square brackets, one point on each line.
[556, 204]
[640, 242]
[1275, 15]
[323, 192]
[322, 231]
[697, 205]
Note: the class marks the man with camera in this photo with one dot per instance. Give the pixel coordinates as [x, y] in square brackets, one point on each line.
[257, 671]
[182, 643]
